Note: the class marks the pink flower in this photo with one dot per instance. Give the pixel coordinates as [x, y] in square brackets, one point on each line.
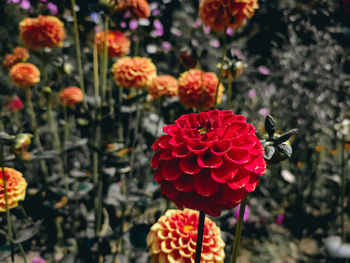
[15, 104]
[280, 219]
[246, 213]
[264, 70]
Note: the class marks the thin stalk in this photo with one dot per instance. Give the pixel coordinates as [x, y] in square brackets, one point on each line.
[78, 53]
[238, 231]
[199, 241]
[224, 47]
[104, 62]
[229, 90]
[57, 144]
[66, 128]
[96, 80]
[34, 127]
[136, 131]
[8, 216]
[343, 183]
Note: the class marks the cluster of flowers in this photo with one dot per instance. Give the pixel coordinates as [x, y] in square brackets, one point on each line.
[207, 161]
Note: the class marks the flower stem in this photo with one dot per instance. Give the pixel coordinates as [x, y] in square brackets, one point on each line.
[78, 53]
[104, 62]
[238, 231]
[224, 47]
[34, 127]
[8, 216]
[342, 193]
[199, 241]
[57, 144]
[136, 131]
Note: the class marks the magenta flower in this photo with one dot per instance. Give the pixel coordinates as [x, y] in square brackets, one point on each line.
[229, 31]
[206, 29]
[38, 260]
[133, 24]
[280, 219]
[264, 70]
[251, 93]
[52, 8]
[166, 46]
[264, 111]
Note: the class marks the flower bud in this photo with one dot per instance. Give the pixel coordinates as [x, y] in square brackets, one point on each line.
[22, 141]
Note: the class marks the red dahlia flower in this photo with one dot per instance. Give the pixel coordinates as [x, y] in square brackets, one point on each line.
[219, 14]
[165, 85]
[208, 161]
[25, 74]
[137, 8]
[174, 237]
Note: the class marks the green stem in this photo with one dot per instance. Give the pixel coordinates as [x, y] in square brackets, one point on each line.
[78, 53]
[238, 231]
[104, 62]
[136, 131]
[96, 80]
[224, 47]
[343, 183]
[34, 127]
[8, 216]
[66, 128]
[57, 144]
[199, 241]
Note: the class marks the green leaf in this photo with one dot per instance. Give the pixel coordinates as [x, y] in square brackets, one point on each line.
[7, 138]
[84, 188]
[285, 149]
[285, 136]
[45, 155]
[5, 252]
[269, 152]
[270, 125]
[27, 233]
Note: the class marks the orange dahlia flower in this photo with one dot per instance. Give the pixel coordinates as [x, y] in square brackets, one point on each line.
[134, 72]
[137, 8]
[42, 31]
[173, 239]
[16, 188]
[117, 43]
[19, 54]
[163, 86]
[71, 96]
[198, 89]
[25, 74]
[219, 14]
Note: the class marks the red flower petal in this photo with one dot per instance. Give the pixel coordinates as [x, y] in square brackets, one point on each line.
[189, 165]
[253, 182]
[197, 147]
[204, 184]
[238, 156]
[184, 183]
[225, 172]
[240, 180]
[257, 166]
[220, 147]
[171, 169]
[155, 159]
[180, 151]
[209, 160]
[165, 155]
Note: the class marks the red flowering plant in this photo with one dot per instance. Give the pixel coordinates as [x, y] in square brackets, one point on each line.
[208, 161]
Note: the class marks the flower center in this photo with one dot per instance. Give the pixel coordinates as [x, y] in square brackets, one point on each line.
[202, 130]
[188, 228]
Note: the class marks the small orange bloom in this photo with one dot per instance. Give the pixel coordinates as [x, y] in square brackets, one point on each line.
[198, 89]
[42, 31]
[19, 54]
[163, 86]
[137, 8]
[16, 188]
[173, 239]
[117, 43]
[134, 72]
[219, 14]
[347, 146]
[319, 148]
[71, 96]
[334, 152]
[25, 74]
[300, 164]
